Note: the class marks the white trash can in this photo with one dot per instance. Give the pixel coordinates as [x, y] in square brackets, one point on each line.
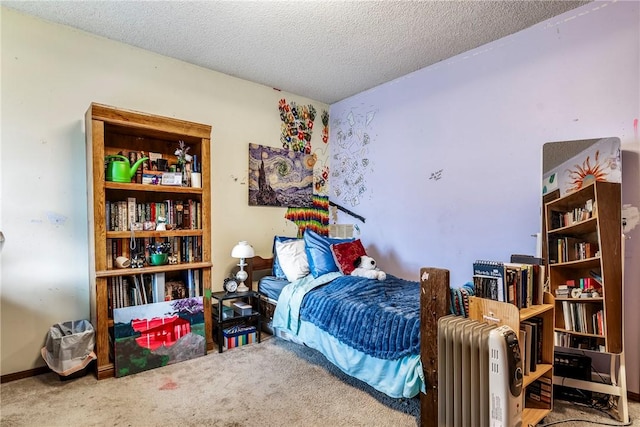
[68, 349]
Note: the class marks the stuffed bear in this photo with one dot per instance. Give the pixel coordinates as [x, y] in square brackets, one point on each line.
[365, 266]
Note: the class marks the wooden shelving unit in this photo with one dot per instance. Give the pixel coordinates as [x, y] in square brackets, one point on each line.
[110, 130]
[584, 240]
[502, 313]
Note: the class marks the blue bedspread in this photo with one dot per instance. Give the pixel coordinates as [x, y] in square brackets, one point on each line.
[379, 318]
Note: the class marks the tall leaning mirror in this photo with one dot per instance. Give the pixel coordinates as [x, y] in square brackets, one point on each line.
[567, 166]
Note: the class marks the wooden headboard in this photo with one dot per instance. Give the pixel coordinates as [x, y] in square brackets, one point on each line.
[435, 296]
[257, 264]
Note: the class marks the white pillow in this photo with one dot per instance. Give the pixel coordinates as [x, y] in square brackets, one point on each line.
[293, 259]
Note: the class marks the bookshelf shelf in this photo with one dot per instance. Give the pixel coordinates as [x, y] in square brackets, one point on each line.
[169, 233]
[169, 189]
[604, 229]
[582, 334]
[580, 263]
[151, 270]
[584, 226]
[111, 131]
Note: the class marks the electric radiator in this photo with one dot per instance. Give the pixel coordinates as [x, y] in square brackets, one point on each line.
[479, 374]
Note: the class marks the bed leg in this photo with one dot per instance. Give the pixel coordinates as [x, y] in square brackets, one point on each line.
[434, 303]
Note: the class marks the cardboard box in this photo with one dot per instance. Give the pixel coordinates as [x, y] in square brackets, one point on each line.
[238, 336]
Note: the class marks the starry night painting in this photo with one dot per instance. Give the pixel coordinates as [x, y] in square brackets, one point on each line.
[279, 177]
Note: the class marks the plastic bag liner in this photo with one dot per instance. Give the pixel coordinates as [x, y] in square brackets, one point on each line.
[69, 346]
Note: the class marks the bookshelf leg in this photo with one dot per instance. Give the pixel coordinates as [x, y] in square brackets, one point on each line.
[623, 404]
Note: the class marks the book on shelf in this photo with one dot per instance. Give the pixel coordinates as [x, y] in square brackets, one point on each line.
[596, 276]
[579, 317]
[489, 280]
[525, 339]
[563, 291]
[540, 390]
[138, 297]
[131, 212]
[538, 321]
[532, 356]
[521, 278]
[525, 281]
[526, 259]
[191, 278]
[561, 219]
[158, 285]
[181, 214]
[564, 339]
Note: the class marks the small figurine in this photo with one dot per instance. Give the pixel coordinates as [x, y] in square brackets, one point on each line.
[161, 225]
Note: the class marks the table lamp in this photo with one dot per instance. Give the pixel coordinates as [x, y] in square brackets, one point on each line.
[242, 250]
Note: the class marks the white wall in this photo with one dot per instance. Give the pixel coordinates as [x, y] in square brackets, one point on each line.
[478, 123]
[50, 75]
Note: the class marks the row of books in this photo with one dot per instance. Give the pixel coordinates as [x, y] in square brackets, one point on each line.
[182, 214]
[518, 283]
[138, 289]
[580, 317]
[583, 283]
[184, 248]
[572, 249]
[563, 339]
[540, 390]
[531, 344]
[581, 213]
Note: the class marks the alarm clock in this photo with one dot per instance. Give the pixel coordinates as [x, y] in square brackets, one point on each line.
[230, 285]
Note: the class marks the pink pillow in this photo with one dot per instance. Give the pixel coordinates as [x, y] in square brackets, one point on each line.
[346, 253]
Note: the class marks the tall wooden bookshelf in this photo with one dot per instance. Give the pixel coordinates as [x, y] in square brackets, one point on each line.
[109, 131]
[584, 254]
[502, 313]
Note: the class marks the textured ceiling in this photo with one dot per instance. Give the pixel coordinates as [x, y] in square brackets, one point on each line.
[324, 50]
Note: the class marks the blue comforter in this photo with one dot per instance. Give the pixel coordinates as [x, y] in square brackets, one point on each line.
[379, 318]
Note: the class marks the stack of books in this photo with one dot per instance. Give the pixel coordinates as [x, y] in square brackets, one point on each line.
[563, 291]
[540, 390]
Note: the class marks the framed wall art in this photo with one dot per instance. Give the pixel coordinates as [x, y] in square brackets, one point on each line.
[280, 177]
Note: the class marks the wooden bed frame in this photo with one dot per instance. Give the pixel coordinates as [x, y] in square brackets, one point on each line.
[434, 303]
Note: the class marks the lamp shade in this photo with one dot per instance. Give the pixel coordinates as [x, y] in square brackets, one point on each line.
[242, 250]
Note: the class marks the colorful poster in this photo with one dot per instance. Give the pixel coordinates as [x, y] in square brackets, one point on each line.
[152, 335]
[279, 177]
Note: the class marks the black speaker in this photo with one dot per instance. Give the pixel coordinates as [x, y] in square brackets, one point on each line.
[572, 366]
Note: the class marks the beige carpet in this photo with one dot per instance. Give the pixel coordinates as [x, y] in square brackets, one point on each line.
[274, 383]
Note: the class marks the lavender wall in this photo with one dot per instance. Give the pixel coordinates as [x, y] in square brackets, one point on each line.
[445, 163]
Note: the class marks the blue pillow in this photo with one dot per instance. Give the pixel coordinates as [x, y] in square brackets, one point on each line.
[277, 269]
[319, 253]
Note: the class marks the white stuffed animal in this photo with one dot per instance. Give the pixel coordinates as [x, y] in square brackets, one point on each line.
[365, 266]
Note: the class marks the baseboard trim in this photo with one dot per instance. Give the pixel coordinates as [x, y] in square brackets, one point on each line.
[24, 374]
[633, 396]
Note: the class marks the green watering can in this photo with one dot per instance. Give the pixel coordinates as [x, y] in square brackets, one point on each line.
[119, 169]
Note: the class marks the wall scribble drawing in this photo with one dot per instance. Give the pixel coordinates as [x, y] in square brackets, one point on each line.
[436, 175]
[350, 161]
